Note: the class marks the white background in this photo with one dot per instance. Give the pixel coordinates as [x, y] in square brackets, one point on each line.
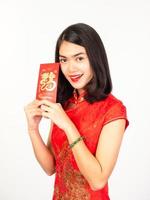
[28, 33]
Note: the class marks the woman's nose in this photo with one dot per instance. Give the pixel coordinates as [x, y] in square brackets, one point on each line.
[71, 66]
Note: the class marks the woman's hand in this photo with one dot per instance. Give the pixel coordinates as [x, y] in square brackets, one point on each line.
[33, 114]
[56, 113]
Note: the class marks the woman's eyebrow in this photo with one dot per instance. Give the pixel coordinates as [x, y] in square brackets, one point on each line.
[73, 55]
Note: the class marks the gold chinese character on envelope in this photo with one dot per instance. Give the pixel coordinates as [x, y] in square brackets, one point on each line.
[47, 81]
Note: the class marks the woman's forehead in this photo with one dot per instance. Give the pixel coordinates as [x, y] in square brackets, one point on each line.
[68, 49]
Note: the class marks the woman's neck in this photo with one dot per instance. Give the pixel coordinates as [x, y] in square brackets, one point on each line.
[79, 91]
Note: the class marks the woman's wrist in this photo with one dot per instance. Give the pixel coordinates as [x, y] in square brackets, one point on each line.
[71, 132]
[69, 128]
[76, 141]
[33, 131]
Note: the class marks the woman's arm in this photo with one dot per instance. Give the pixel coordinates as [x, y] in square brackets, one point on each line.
[43, 152]
[97, 169]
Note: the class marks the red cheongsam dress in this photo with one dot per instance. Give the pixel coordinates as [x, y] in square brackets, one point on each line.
[89, 119]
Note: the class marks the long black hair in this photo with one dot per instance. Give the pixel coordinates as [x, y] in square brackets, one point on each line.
[100, 85]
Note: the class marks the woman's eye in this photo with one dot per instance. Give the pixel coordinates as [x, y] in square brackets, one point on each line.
[62, 60]
[80, 58]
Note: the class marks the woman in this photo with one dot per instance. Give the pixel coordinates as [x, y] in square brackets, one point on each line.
[88, 120]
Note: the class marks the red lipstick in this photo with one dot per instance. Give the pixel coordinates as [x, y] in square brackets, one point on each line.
[75, 78]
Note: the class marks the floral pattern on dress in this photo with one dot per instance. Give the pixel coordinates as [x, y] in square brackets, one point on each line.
[71, 185]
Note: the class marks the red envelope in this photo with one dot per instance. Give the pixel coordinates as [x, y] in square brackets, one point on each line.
[48, 81]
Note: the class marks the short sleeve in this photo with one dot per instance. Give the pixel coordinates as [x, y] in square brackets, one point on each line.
[116, 111]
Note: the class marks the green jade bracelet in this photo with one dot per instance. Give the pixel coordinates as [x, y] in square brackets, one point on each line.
[76, 141]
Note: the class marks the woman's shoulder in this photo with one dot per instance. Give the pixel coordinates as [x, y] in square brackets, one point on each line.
[115, 109]
[111, 102]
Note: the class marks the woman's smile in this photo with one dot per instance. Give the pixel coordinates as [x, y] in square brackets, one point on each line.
[75, 77]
